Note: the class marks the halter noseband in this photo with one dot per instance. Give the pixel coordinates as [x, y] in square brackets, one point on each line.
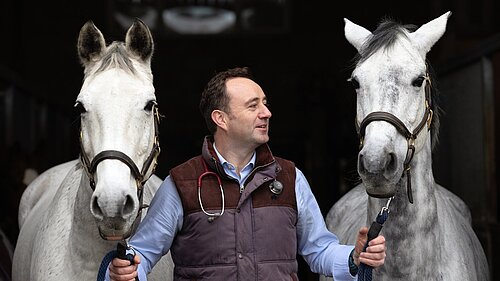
[140, 176]
[400, 126]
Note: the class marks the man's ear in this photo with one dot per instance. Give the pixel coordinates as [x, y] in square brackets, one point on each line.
[219, 118]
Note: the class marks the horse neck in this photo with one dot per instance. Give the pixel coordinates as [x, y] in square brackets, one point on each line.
[411, 230]
[87, 241]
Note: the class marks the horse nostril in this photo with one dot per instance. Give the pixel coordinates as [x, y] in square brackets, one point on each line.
[384, 163]
[96, 210]
[361, 164]
[391, 165]
[128, 207]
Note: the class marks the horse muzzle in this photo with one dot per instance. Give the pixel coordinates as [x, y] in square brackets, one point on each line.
[114, 229]
[380, 171]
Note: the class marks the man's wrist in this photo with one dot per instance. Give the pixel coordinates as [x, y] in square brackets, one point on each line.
[353, 268]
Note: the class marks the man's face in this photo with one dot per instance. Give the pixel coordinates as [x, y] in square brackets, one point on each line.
[248, 115]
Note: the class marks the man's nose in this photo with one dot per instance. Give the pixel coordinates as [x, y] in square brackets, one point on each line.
[265, 112]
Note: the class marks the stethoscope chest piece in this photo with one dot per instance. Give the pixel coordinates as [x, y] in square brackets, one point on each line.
[276, 187]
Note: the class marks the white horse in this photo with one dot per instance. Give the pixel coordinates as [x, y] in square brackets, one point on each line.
[428, 232]
[73, 214]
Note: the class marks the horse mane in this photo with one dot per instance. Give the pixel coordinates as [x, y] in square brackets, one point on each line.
[384, 37]
[436, 109]
[116, 56]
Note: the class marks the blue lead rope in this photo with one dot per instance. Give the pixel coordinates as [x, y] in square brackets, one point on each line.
[120, 252]
[365, 271]
[104, 264]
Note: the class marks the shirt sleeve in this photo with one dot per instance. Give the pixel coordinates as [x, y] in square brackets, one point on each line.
[157, 230]
[319, 247]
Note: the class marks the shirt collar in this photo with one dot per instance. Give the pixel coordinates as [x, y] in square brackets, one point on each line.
[227, 165]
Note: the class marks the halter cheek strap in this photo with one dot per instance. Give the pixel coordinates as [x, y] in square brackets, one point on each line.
[401, 128]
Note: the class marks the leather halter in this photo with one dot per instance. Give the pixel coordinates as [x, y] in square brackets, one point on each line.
[140, 176]
[400, 126]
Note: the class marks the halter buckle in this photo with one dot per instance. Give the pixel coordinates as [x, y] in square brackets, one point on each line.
[427, 78]
[157, 114]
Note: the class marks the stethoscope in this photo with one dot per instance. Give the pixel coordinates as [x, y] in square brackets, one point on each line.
[206, 173]
[276, 188]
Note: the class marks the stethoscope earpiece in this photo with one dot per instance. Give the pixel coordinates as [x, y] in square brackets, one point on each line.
[276, 187]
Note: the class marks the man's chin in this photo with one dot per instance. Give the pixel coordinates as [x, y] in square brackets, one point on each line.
[263, 138]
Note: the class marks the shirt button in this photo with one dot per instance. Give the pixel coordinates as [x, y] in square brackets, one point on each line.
[240, 256]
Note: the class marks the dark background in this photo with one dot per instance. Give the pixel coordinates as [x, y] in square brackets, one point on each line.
[296, 50]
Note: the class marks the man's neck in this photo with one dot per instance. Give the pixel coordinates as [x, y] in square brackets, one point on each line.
[237, 155]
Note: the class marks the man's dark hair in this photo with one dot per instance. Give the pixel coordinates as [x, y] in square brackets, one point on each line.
[215, 96]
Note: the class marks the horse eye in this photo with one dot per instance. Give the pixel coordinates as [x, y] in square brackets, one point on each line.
[354, 83]
[149, 105]
[80, 108]
[418, 82]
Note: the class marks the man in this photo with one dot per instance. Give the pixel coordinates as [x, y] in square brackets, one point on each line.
[236, 212]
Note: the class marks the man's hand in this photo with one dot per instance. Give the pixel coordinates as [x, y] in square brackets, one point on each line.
[375, 252]
[122, 270]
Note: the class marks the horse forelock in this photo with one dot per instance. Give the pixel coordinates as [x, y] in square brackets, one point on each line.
[115, 56]
[384, 37]
[386, 34]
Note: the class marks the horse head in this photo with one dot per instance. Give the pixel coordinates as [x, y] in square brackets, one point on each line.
[119, 125]
[394, 99]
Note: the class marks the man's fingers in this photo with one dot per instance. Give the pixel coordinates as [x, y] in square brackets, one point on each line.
[361, 239]
[375, 254]
[372, 259]
[377, 240]
[137, 259]
[379, 248]
[120, 262]
[363, 230]
[122, 270]
[122, 277]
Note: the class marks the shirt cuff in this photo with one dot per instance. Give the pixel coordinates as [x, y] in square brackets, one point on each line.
[353, 268]
[341, 264]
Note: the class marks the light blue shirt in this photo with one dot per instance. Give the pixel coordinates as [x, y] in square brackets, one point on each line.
[319, 247]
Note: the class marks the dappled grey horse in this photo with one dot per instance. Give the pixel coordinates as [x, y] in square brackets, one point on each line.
[428, 232]
[73, 214]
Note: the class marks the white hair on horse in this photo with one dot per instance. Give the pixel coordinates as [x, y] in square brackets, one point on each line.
[73, 214]
[428, 232]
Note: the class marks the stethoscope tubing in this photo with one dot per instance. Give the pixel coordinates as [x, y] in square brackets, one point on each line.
[219, 181]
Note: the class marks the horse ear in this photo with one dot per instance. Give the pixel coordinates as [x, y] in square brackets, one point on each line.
[91, 43]
[139, 40]
[428, 34]
[355, 34]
